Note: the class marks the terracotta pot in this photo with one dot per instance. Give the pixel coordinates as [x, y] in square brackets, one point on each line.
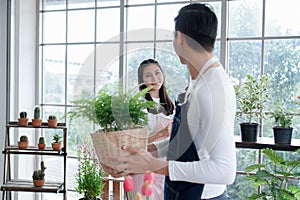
[52, 123]
[23, 145]
[23, 121]
[56, 146]
[36, 122]
[41, 146]
[39, 183]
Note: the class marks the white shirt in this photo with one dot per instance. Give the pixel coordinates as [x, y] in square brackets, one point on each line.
[210, 116]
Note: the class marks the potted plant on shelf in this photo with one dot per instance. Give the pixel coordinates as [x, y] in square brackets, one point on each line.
[38, 176]
[278, 177]
[251, 98]
[56, 144]
[121, 118]
[41, 143]
[23, 143]
[23, 120]
[52, 121]
[283, 131]
[89, 176]
[37, 121]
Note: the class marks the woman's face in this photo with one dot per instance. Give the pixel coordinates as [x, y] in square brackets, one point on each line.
[153, 76]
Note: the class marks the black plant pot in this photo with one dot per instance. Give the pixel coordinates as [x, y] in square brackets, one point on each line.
[282, 135]
[249, 132]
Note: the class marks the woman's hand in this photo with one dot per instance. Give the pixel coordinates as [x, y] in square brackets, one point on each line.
[140, 161]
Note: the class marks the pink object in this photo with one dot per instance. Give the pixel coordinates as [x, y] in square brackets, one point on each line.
[128, 184]
[147, 188]
[150, 176]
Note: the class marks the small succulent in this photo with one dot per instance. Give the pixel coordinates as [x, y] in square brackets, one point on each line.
[41, 140]
[37, 112]
[23, 114]
[23, 138]
[39, 174]
[52, 117]
[56, 138]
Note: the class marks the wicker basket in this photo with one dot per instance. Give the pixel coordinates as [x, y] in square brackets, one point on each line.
[110, 143]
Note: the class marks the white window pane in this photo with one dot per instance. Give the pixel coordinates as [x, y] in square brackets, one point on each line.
[81, 26]
[54, 73]
[101, 3]
[244, 58]
[282, 18]
[81, 3]
[107, 64]
[166, 15]
[108, 24]
[53, 5]
[130, 2]
[245, 18]
[137, 20]
[80, 67]
[54, 27]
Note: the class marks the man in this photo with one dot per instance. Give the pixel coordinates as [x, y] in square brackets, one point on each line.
[201, 149]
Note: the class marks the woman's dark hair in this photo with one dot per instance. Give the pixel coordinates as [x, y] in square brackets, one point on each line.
[165, 101]
[199, 23]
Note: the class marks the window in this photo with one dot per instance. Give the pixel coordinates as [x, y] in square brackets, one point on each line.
[85, 44]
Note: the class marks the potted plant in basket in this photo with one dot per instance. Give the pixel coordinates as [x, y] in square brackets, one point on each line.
[41, 143]
[89, 176]
[56, 144]
[38, 176]
[283, 130]
[278, 177]
[37, 121]
[251, 98]
[23, 120]
[23, 143]
[121, 118]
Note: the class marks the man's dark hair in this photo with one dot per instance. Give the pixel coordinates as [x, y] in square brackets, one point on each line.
[199, 23]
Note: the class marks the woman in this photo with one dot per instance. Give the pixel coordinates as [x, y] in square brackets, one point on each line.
[150, 74]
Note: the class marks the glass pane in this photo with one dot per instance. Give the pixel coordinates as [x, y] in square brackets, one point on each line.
[139, 1]
[54, 74]
[137, 20]
[282, 19]
[80, 70]
[81, 26]
[240, 189]
[245, 18]
[244, 57]
[81, 3]
[166, 15]
[102, 3]
[282, 65]
[108, 24]
[54, 27]
[107, 64]
[53, 5]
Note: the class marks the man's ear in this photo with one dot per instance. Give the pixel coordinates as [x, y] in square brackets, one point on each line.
[179, 38]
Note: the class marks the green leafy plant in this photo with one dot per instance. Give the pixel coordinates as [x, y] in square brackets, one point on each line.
[252, 96]
[89, 177]
[283, 117]
[121, 111]
[39, 174]
[56, 138]
[276, 176]
[23, 138]
[23, 114]
[37, 112]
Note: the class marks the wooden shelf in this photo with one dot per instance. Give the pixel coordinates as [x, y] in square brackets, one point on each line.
[27, 186]
[33, 150]
[44, 125]
[266, 142]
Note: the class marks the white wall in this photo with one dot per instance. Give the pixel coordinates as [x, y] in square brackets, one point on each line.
[2, 81]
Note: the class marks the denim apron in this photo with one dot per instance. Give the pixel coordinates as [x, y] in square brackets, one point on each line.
[181, 148]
